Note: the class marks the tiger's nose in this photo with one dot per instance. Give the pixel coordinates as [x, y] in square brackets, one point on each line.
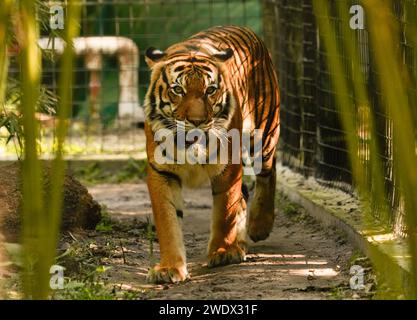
[196, 121]
[197, 112]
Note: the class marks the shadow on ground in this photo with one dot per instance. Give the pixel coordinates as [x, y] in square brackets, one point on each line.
[300, 260]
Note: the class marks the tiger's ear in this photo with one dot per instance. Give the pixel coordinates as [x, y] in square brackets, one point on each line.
[224, 55]
[153, 55]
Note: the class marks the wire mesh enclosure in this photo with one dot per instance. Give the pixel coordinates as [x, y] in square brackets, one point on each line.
[111, 79]
[313, 141]
[292, 42]
[111, 76]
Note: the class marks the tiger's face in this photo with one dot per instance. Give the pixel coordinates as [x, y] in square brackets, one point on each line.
[188, 90]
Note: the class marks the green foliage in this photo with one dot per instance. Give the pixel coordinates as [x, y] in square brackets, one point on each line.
[15, 253]
[290, 209]
[11, 111]
[106, 224]
[88, 288]
[384, 34]
[13, 124]
[11, 116]
[11, 104]
[133, 170]
[40, 224]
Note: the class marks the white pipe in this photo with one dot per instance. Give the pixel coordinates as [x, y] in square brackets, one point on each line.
[128, 56]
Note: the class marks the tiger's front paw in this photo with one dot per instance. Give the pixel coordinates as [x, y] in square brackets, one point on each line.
[224, 256]
[160, 274]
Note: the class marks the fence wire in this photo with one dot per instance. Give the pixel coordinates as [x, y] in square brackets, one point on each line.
[107, 104]
[313, 141]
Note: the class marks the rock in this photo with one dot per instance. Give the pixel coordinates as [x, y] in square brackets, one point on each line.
[65, 246]
[310, 277]
[79, 208]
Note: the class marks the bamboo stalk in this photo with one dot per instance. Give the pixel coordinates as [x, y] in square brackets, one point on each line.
[34, 231]
[341, 87]
[373, 187]
[384, 39]
[64, 112]
[4, 65]
[4, 61]
[41, 224]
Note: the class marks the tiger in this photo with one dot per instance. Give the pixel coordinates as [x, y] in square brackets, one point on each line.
[220, 78]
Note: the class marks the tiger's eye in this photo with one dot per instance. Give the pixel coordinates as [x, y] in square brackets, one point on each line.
[217, 108]
[210, 90]
[178, 90]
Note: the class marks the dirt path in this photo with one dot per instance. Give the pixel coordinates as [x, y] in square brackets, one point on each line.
[300, 260]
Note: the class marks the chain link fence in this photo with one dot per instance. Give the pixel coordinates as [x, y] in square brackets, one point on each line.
[111, 76]
[313, 141]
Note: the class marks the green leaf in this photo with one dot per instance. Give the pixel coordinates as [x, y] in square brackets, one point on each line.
[15, 252]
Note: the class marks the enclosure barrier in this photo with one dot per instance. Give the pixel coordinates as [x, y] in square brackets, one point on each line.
[312, 139]
[97, 126]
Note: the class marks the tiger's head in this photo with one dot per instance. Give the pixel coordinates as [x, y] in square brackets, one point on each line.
[188, 88]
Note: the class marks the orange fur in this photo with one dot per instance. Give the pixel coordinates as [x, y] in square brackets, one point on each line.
[236, 63]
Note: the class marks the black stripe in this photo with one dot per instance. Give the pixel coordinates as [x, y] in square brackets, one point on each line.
[224, 113]
[179, 68]
[245, 192]
[213, 37]
[165, 77]
[168, 175]
[192, 47]
[242, 84]
[250, 72]
[273, 108]
[194, 59]
[152, 100]
[152, 95]
[272, 92]
[255, 86]
[179, 52]
[206, 68]
[262, 92]
[162, 103]
[253, 40]
[180, 214]
[239, 36]
[234, 44]
[249, 40]
[268, 140]
[186, 59]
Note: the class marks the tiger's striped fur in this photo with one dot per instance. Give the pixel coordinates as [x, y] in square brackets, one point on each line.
[246, 96]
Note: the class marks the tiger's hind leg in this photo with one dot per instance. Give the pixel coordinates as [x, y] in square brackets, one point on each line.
[262, 215]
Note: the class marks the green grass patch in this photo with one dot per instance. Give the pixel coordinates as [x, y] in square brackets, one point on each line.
[95, 173]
